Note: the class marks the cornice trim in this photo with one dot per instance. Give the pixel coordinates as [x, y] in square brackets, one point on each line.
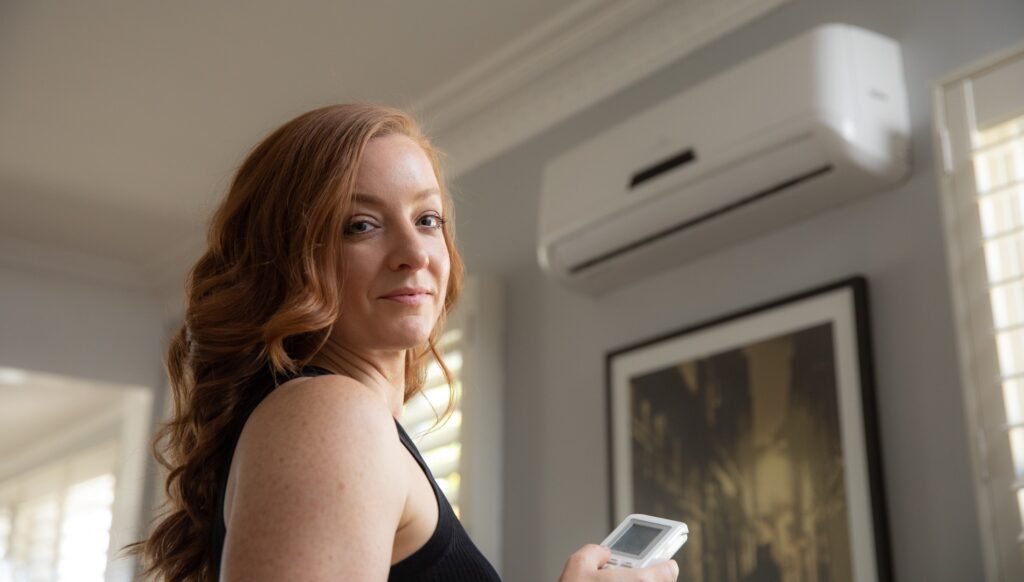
[572, 61]
[585, 53]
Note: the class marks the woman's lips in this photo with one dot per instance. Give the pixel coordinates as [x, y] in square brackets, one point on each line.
[409, 299]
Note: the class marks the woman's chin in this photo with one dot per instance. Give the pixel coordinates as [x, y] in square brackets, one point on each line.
[399, 335]
[410, 339]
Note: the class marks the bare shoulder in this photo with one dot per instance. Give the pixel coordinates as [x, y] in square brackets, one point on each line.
[318, 420]
[318, 466]
[307, 407]
[320, 424]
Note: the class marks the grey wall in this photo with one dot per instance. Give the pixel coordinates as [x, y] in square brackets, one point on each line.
[82, 328]
[555, 457]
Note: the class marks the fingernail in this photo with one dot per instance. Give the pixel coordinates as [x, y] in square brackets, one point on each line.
[675, 568]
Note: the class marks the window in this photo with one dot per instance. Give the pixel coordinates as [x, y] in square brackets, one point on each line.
[465, 454]
[980, 126]
[441, 447]
[55, 521]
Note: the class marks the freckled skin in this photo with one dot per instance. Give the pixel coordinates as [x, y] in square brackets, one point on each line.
[320, 459]
[395, 246]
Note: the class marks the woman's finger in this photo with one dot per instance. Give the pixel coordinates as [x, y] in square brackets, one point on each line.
[665, 571]
[584, 562]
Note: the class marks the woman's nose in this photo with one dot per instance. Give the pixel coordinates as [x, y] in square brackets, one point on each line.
[408, 250]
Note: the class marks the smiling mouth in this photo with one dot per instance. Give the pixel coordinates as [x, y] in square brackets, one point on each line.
[408, 299]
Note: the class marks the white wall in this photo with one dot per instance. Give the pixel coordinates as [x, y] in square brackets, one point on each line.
[70, 325]
[556, 471]
[61, 319]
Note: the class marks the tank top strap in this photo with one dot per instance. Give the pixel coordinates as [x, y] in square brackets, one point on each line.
[448, 542]
[414, 451]
[311, 370]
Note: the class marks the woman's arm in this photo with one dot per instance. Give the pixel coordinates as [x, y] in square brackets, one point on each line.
[318, 494]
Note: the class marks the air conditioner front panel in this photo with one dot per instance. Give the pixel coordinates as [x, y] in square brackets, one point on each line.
[764, 98]
[805, 155]
[800, 128]
[782, 209]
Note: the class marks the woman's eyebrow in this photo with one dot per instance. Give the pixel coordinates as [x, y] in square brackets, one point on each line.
[372, 200]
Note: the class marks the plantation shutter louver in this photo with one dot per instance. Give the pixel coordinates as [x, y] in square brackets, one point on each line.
[441, 447]
[980, 123]
[55, 521]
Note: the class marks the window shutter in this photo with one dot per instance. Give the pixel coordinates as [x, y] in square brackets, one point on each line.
[980, 125]
[440, 446]
[998, 158]
[55, 521]
[466, 453]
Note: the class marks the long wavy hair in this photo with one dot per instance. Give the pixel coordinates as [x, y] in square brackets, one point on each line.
[260, 304]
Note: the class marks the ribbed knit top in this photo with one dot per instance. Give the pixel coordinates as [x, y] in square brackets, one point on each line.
[449, 554]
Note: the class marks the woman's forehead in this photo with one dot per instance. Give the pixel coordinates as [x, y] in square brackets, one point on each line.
[393, 165]
[368, 199]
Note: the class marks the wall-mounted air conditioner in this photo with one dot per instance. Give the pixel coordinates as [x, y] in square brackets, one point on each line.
[807, 125]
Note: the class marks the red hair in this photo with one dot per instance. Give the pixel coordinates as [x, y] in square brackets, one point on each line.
[261, 302]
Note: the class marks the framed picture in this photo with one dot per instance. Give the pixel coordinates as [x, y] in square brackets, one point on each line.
[758, 431]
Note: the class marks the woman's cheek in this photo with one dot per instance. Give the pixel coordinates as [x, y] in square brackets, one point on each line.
[440, 255]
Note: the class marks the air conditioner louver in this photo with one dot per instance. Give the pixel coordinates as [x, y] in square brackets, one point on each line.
[694, 222]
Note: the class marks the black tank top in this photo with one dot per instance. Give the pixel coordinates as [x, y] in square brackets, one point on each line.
[449, 554]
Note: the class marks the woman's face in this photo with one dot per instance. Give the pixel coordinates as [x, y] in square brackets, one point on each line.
[393, 241]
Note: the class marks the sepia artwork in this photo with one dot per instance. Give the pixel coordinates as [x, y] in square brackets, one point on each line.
[757, 431]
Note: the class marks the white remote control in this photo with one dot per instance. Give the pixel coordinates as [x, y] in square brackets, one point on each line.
[644, 540]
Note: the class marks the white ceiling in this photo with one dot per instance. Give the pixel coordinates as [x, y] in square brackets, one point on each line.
[122, 121]
[34, 407]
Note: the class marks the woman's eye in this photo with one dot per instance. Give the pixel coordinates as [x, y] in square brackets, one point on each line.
[438, 222]
[353, 228]
[358, 227]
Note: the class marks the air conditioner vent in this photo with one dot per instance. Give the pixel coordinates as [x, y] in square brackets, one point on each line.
[682, 158]
[746, 200]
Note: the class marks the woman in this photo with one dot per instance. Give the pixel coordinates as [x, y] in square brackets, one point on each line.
[310, 320]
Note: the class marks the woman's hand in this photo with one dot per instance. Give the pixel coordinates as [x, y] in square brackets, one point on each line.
[585, 566]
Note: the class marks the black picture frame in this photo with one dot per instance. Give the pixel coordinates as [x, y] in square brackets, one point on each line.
[759, 430]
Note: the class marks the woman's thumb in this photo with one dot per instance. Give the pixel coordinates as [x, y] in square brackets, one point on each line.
[671, 569]
[594, 556]
[584, 562]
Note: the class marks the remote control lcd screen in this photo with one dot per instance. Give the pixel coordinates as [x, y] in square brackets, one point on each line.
[636, 539]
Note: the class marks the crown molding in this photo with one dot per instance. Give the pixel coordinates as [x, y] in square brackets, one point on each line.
[584, 54]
